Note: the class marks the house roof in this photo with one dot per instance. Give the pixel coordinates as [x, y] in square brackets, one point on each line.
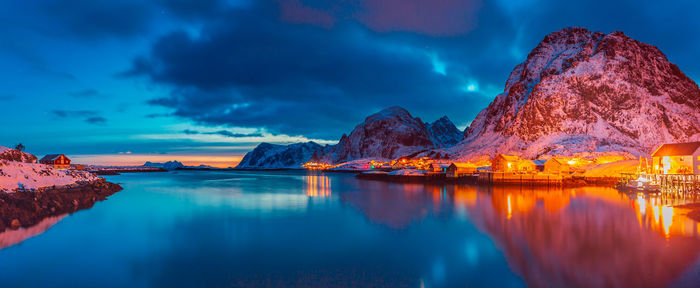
[50, 157]
[560, 161]
[441, 165]
[463, 165]
[677, 149]
[539, 161]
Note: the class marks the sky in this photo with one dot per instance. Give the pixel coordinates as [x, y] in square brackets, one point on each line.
[205, 81]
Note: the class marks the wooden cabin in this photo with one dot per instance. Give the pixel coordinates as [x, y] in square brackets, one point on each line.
[511, 163]
[539, 164]
[56, 160]
[556, 166]
[438, 167]
[677, 158]
[458, 169]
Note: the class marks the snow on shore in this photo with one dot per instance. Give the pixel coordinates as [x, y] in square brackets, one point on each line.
[31, 175]
[614, 169]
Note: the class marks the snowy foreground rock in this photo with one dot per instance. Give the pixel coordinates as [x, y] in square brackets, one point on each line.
[15, 174]
[31, 192]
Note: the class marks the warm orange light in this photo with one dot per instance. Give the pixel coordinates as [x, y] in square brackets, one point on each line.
[510, 206]
[317, 166]
[667, 217]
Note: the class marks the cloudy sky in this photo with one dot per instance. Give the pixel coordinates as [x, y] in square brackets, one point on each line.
[207, 80]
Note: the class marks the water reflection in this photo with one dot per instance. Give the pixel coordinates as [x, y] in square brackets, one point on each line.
[257, 229]
[591, 237]
[317, 184]
[584, 237]
[13, 237]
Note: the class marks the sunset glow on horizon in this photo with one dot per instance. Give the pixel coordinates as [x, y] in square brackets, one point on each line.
[220, 161]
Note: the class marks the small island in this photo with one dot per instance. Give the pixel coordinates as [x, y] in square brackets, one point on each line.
[31, 191]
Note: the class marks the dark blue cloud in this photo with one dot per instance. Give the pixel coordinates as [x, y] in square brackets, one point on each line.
[317, 68]
[89, 116]
[314, 68]
[96, 120]
[251, 69]
[224, 133]
[87, 93]
[93, 19]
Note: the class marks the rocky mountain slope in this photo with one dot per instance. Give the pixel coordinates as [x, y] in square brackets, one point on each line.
[444, 133]
[387, 134]
[271, 156]
[586, 93]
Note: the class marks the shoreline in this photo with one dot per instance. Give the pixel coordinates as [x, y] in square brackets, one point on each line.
[117, 171]
[28, 208]
[474, 180]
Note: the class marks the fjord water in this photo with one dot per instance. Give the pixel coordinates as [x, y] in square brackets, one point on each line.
[310, 229]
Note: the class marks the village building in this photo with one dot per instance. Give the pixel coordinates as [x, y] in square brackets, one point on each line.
[539, 164]
[459, 169]
[56, 160]
[556, 166]
[512, 164]
[438, 167]
[678, 158]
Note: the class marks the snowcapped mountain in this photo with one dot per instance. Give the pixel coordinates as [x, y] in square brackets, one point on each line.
[586, 93]
[170, 165]
[444, 133]
[387, 134]
[271, 156]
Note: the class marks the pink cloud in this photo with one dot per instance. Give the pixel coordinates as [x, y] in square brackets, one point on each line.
[430, 17]
[294, 11]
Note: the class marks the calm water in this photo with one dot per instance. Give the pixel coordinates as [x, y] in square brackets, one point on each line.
[252, 229]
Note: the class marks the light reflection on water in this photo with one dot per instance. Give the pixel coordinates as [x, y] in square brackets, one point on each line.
[296, 228]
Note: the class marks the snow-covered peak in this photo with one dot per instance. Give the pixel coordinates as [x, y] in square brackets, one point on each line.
[272, 156]
[444, 133]
[387, 134]
[581, 91]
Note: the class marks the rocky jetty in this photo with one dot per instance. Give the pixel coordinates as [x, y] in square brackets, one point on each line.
[28, 208]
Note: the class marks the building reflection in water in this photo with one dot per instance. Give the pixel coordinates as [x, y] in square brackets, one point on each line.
[317, 184]
[583, 237]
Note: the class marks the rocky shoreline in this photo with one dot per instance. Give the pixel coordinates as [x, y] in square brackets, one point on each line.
[27, 208]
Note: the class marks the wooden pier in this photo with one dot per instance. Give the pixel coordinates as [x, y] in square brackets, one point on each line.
[520, 179]
[676, 184]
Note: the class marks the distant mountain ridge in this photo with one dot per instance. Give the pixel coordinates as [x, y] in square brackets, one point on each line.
[170, 165]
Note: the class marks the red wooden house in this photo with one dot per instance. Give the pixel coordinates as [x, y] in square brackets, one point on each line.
[56, 160]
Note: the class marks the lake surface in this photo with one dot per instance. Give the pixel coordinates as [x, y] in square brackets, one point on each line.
[309, 229]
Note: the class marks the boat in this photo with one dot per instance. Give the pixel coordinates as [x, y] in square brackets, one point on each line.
[640, 184]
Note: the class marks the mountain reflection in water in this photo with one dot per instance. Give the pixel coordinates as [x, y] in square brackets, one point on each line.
[314, 229]
[582, 237]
